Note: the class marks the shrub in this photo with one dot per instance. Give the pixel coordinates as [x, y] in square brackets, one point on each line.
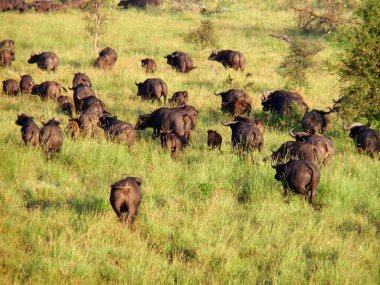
[204, 36]
[297, 61]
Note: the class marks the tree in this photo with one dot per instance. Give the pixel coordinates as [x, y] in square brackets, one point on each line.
[359, 66]
[98, 14]
[322, 15]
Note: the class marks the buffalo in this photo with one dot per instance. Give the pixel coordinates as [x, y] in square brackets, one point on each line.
[149, 64]
[45, 61]
[214, 139]
[152, 89]
[118, 130]
[171, 142]
[126, 198]
[30, 132]
[51, 136]
[89, 125]
[323, 144]
[301, 176]
[47, 6]
[297, 150]
[26, 84]
[93, 106]
[179, 98]
[9, 45]
[80, 78]
[165, 119]
[73, 129]
[138, 3]
[229, 58]
[314, 121]
[245, 137]
[283, 102]
[48, 89]
[5, 58]
[10, 87]
[367, 140]
[81, 91]
[65, 105]
[180, 61]
[235, 102]
[107, 58]
[255, 122]
[190, 115]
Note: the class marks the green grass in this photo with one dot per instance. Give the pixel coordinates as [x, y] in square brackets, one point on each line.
[205, 218]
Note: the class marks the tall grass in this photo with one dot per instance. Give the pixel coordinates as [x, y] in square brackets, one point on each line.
[208, 217]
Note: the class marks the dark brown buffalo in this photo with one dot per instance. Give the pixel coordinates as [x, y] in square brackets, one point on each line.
[107, 58]
[229, 58]
[283, 102]
[119, 130]
[314, 121]
[323, 144]
[171, 142]
[30, 132]
[10, 87]
[48, 6]
[5, 58]
[214, 139]
[367, 140]
[9, 45]
[80, 78]
[74, 3]
[48, 89]
[149, 64]
[93, 106]
[180, 61]
[301, 176]
[165, 119]
[45, 61]
[297, 150]
[190, 115]
[255, 122]
[235, 102]
[126, 198]
[65, 105]
[152, 89]
[26, 84]
[51, 137]
[245, 137]
[6, 5]
[81, 91]
[138, 3]
[179, 98]
[73, 128]
[89, 125]
[24, 7]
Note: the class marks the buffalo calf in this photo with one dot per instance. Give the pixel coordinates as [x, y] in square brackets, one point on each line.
[73, 128]
[26, 84]
[179, 98]
[10, 87]
[171, 142]
[45, 61]
[149, 64]
[214, 139]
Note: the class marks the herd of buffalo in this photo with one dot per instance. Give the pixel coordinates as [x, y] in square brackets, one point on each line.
[51, 6]
[296, 162]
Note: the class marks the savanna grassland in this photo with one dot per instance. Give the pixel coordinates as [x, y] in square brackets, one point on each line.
[207, 217]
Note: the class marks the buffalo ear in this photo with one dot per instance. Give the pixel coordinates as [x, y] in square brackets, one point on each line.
[185, 93]
[368, 124]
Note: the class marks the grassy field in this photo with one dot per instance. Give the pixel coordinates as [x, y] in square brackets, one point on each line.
[208, 217]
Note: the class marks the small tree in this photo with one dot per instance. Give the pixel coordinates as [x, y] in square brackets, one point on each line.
[300, 58]
[359, 66]
[322, 15]
[204, 36]
[98, 14]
